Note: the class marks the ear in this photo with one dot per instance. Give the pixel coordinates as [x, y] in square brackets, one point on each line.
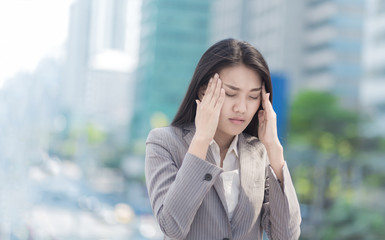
[201, 92]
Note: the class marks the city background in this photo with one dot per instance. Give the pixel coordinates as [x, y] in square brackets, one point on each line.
[82, 82]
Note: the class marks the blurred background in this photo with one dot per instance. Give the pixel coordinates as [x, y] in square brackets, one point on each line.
[83, 81]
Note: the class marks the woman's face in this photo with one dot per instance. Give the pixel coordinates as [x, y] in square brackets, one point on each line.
[243, 88]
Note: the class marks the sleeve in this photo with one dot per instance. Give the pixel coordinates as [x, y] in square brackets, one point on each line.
[281, 217]
[175, 194]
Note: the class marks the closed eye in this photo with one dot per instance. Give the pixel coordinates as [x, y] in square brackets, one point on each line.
[230, 95]
[254, 97]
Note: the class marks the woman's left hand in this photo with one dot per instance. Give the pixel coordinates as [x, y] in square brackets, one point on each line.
[267, 133]
[267, 129]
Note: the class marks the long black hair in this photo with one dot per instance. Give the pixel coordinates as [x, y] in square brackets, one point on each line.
[223, 54]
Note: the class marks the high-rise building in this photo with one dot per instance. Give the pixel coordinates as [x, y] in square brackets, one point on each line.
[98, 86]
[333, 48]
[108, 25]
[98, 61]
[174, 34]
[77, 56]
[372, 89]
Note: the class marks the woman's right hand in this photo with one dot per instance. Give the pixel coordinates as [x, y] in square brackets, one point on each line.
[209, 108]
[207, 117]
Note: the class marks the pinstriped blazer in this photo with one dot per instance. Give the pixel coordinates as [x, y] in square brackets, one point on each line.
[187, 194]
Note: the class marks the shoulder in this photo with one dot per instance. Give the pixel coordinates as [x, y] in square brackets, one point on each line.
[164, 134]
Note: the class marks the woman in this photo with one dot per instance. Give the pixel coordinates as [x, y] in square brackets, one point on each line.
[218, 171]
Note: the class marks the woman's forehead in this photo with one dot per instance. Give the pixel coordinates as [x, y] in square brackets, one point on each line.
[240, 76]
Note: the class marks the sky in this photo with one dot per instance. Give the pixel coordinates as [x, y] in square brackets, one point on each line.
[29, 31]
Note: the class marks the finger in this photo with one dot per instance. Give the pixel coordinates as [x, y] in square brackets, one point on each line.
[217, 92]
[208, 89]
[268, 107]
[221, 100]
[211, 88]
[211, 91]
[270, 113]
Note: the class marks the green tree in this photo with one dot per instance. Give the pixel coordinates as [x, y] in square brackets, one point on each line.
[331, 155]
[347, 221]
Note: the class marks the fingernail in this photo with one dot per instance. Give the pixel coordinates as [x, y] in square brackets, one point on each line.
[216, 75]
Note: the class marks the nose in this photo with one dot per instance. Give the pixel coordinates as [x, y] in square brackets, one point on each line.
[240, 106]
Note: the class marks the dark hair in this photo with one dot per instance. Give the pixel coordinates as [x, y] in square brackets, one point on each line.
[223, 54]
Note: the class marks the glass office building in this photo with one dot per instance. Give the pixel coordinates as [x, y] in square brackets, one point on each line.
[174, 34]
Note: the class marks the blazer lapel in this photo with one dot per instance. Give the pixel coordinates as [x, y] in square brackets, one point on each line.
[251, 167]
[188, 133]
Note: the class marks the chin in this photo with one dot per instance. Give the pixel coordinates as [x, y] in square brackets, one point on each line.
[234, 132]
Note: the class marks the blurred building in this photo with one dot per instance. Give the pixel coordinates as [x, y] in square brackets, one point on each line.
[174, 34]
[333, 48]
[100, 62]
[107, 98]
[372, 89]
[108, 25]
[28, 104]
[77, 55]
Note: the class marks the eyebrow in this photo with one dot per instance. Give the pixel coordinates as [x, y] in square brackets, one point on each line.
[237, 89]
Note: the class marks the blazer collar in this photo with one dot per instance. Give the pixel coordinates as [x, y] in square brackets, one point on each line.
[189, 131]
[249, 168]
[252, 173]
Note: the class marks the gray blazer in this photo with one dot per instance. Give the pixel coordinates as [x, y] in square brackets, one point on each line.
[187, 195]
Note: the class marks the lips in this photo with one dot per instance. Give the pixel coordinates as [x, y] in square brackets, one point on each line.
[237, 121]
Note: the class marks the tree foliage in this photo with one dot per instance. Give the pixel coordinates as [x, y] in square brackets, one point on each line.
[317, 119]
[328, 179]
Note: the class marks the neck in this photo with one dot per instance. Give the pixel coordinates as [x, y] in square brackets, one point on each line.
[223, 142]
